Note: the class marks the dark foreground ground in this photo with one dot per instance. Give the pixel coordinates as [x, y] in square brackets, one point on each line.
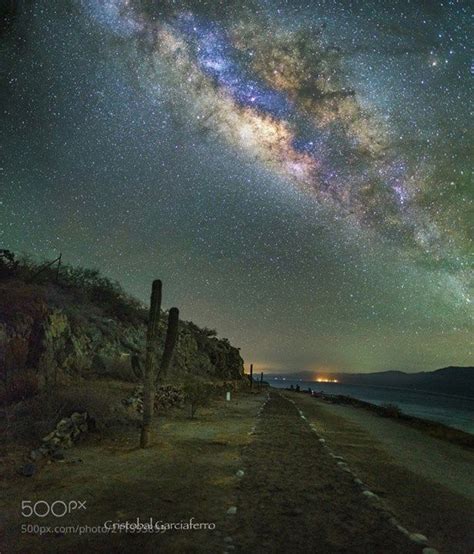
[294, 498]
[273, 490]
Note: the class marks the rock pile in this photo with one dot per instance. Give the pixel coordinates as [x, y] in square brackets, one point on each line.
[166, 396]
[65, 434]
[135, 401]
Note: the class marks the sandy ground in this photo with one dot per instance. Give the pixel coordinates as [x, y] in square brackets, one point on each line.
[189, 471]
[427, 482]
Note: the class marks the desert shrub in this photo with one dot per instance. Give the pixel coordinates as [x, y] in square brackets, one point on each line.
[85, 285]
[15, 354]
[121, 368]
[197, 394]
[8, 264]
[19, 302]
[104, 292]
[391, 410]
[90, 398]
[35, 417]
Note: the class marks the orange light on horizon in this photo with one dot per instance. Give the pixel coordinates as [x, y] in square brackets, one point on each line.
[325, 380]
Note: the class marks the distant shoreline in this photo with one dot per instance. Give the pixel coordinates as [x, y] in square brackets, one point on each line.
[433, 393]
[431, 427]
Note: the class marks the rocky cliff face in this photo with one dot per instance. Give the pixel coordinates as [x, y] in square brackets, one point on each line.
[51, 328]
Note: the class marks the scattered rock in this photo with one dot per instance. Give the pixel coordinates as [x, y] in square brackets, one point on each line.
[232, 510]
[28, 470]
[228, 539]
[403, 530]
[49, 437]
[78, 418]
[428, 550]
[240, 473]
[36, 455]
[65, 426]
[418, 538]
[66, 432]
[58, 455]
[357, 481]
[369, 494]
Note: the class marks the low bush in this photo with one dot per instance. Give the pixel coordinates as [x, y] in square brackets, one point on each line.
[21, 385]
[33, 418]
[121, 369]
[197, 394]
[391, 410]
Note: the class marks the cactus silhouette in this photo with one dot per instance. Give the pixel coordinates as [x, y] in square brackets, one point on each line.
[150, 362]
[151, 373]
[170, 341]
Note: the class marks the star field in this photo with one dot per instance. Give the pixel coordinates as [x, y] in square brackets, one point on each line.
[297, 173]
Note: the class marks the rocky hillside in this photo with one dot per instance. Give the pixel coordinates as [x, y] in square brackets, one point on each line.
[80, 323]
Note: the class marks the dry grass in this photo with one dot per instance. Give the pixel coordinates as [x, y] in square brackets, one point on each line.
[29, 420]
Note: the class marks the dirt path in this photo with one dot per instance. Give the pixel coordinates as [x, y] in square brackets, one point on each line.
[425, 481]
[294, 498]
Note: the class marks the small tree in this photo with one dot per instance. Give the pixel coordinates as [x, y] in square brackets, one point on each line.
[197, 394]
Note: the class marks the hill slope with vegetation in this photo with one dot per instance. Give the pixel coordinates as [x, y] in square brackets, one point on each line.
[77, 322]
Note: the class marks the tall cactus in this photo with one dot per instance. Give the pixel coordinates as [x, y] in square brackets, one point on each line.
[150, 362]
[170, 341]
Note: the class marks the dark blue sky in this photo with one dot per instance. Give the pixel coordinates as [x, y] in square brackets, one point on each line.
[296, 173]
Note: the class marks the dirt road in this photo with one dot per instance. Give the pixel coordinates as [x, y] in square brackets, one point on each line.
[291, 497]
[294, 498]
[425, 481]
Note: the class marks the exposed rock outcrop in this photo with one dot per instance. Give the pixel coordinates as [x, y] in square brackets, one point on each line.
[51, 328]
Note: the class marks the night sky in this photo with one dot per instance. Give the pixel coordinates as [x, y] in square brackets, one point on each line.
[297, 173]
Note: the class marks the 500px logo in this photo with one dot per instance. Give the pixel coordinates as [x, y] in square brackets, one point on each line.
[58, 508]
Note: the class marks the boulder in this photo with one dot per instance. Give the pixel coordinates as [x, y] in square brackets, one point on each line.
[28, 470]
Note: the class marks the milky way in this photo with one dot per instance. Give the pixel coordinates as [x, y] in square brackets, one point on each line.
[346, 123]
[280, 95]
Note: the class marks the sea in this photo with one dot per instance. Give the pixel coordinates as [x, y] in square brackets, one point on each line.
[455, 411]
